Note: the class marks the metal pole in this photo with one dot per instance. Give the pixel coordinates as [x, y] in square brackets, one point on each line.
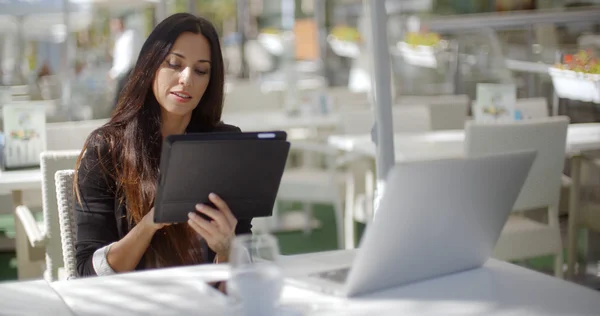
[382, 91]
[288, 14]
[321, 20]
[160, 12]
[192, 7]
[17, 77]
[2, 57]
[243, 19]
[531, 78]
[65, 58]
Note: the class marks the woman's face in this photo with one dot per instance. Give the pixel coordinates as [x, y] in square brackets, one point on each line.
[182, 78]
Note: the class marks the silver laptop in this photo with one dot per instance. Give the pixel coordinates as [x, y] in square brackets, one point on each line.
[435, 218]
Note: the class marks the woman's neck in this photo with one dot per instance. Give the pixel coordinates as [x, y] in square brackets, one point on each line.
[174, 124]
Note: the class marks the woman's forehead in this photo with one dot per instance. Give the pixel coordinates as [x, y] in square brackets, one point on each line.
[192, 47]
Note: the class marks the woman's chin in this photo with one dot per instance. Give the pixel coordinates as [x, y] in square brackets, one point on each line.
[180, 109]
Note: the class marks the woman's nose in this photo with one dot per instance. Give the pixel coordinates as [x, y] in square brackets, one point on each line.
[184, 77]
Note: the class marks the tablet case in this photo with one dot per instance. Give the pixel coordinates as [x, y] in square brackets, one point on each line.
[245, 173]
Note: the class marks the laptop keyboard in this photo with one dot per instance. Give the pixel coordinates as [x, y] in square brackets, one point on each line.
[338, 276]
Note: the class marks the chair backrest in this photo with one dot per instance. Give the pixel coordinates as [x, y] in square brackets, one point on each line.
[50, 163]
[532, 108]
[244, 97]
[411, 119]
[342, 98]
[446, 111]
[70, 135]
[547, 136]
[66, 216]
[407, 119]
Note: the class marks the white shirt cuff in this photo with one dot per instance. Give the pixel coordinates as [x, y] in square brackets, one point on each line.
[100, 261]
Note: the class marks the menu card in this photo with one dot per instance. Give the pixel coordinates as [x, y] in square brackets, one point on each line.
[24, 134]
[495, 102]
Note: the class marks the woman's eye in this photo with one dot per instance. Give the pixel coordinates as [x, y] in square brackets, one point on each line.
[172, 65]
[201, 72]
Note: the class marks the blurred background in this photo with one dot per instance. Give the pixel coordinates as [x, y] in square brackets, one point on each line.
[293, 64]
[46, 43]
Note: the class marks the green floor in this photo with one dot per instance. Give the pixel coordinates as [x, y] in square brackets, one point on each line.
[8, 264]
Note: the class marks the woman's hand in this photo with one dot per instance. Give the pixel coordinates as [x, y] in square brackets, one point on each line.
[219, 232]
[148, 221]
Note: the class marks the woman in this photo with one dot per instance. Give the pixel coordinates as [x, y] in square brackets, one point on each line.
[175, 87]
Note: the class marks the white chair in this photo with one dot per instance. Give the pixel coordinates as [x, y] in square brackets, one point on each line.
[248, 97]
[537, 108]
[312, 184]
[67, 139]
[521, 237]
[70, 135]
[586, 216]
[47, 237]
[65, 196]
[359, 197]
[532, 108]
[446, 111]
[63, 136]
[406, 119]
[358, 175]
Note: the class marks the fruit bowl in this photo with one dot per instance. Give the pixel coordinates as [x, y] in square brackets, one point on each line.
[421, 49]
[578, 77]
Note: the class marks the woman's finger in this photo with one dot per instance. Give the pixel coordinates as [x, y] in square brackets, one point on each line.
[223, 207]
[217, 216]
[200, 231]
[198, 222]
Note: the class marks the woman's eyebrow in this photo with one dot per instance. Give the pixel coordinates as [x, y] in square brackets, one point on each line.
[199, 60]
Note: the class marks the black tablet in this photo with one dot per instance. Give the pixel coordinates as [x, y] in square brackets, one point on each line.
[244, 169]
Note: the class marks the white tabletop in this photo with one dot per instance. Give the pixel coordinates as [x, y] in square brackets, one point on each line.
[20, 180]
[450, 143]
[31, 298]
[499, 289]
[278, 120]
[175, 291]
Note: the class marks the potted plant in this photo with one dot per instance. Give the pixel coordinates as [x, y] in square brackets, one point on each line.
[344, 41]
[421, 48]
[271, 40]
[577, 77]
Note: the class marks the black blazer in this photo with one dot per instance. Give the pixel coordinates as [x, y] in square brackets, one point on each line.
[101, 219]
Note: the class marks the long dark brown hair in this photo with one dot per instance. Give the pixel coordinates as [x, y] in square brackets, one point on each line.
[133, 135]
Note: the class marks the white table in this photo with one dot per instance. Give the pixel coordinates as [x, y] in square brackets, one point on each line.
[176, 291]
[31, 298]
[499, 289]
[278, 120]
[20, 180]
[15, 182]
[450, 143]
